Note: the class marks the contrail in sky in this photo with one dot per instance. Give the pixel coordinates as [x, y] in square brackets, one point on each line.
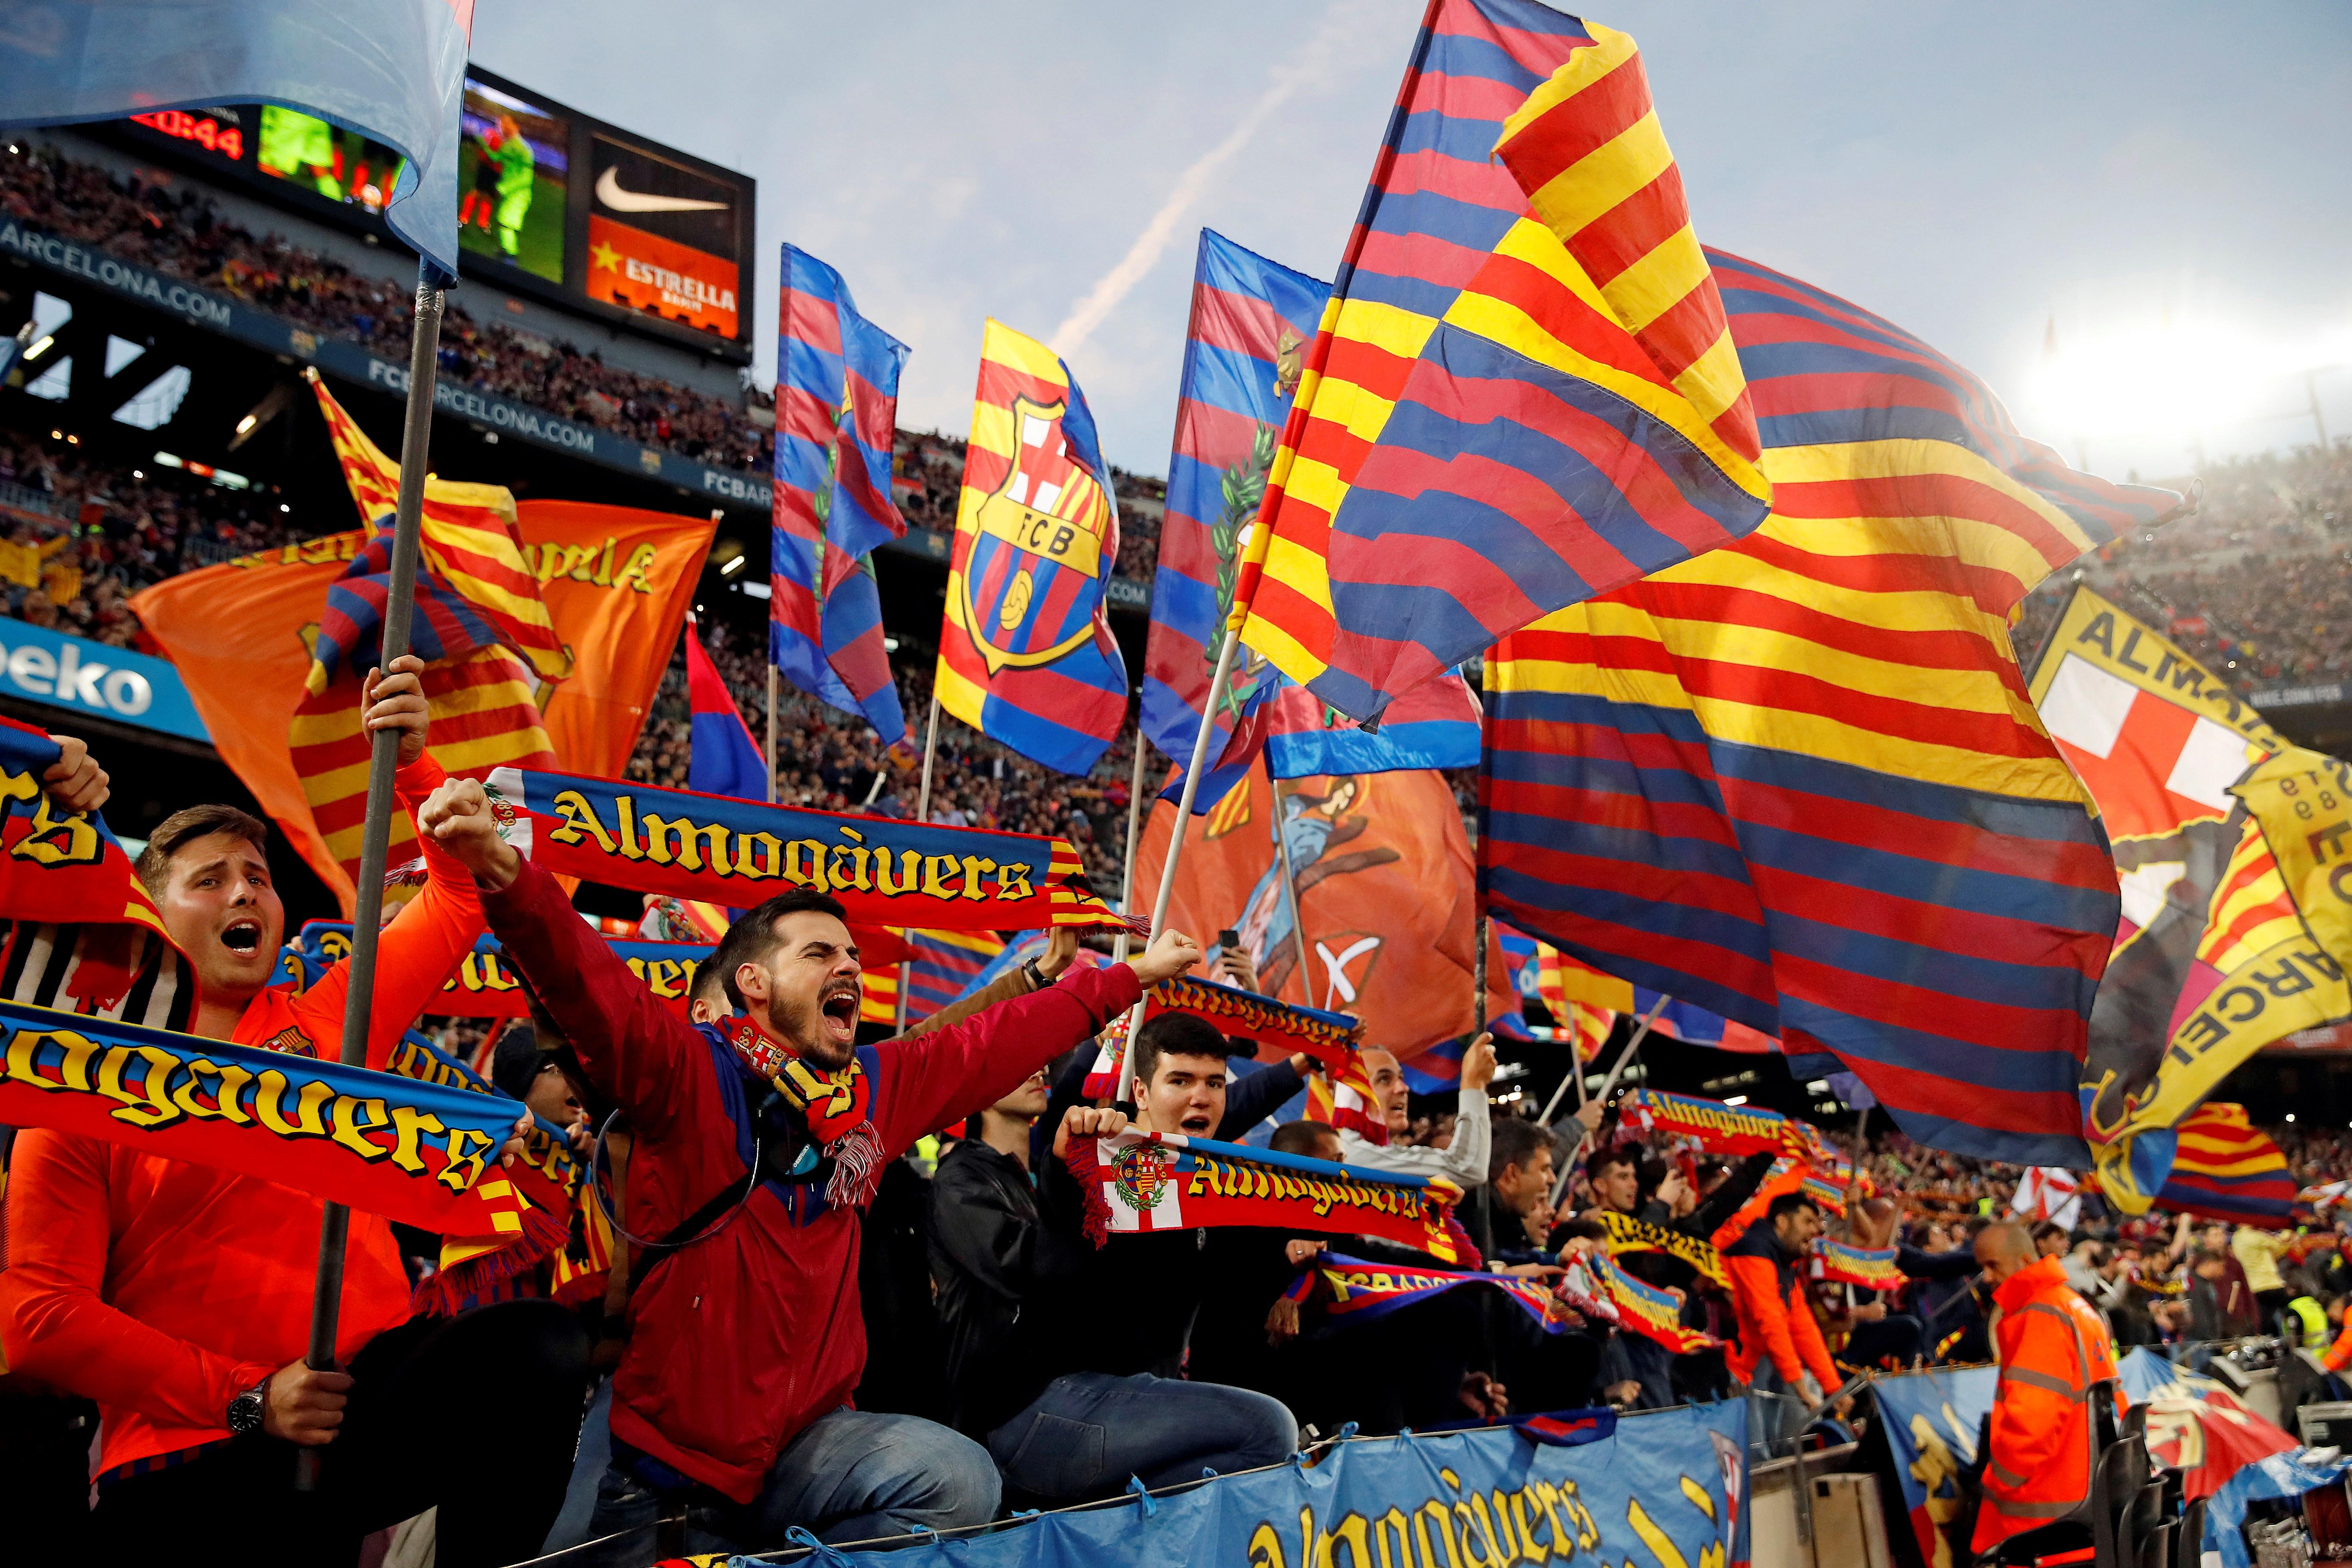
[1330, 39]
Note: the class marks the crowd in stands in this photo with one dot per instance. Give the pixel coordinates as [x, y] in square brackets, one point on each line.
[2257, 584]
[915, 1337]
[178, 230]
[81, 535]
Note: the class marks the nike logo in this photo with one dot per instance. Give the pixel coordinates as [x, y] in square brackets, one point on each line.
[609, 192]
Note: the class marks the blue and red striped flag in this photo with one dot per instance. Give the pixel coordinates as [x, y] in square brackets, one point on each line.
[1251, 322]
[722, 758]
[1026, 654]
[836, 420]
[1798, 782]
[1524, 391]
[2224, 1169]
[944, 963]
[1568, 986]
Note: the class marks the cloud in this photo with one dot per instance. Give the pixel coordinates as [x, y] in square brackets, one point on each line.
[1330, 37]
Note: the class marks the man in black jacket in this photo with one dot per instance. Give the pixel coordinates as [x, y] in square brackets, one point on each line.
[1065, 1359]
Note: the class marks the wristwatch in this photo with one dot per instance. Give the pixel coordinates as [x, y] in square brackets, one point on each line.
[1037, 981]
[244, 1412]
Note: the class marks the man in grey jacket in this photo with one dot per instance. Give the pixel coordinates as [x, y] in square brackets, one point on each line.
[1463, 1162]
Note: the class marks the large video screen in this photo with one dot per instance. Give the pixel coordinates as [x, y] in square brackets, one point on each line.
[663, 239]
[324, 159]
[551, 202]
[514, 163]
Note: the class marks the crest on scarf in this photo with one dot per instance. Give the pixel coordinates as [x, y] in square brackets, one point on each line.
[1141, 1176]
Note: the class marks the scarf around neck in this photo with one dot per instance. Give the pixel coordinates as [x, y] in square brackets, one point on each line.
[837, 1104]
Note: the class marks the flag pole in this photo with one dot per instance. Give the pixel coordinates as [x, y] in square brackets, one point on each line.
[923, 814]
[1290, 896]
[1191, 791]
[772, 726]
[1193, 778]
[1134, 812]
[383, 761]
[1567, 1168]
[1478, 977]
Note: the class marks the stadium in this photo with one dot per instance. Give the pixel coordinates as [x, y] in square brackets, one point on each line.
[1620, 860]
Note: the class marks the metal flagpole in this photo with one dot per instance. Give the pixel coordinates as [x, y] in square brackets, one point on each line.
[383, 761]
[1631, 1047]
[1290, 897]
[1576, 1071]
[771, 731]
[922, 814]
[1478, 979]
[1183, 823]
[1193, 778]
[1134, 812]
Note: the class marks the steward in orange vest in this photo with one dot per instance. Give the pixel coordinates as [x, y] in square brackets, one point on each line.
[2053, 1349]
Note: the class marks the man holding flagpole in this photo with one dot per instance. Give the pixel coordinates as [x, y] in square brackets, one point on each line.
[178, 1296]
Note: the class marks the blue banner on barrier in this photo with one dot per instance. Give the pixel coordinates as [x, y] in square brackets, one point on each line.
[1932, 1422]
[1667, 1489]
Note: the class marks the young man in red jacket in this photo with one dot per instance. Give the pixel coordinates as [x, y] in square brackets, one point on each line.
[758, 1141]
[178, 1296]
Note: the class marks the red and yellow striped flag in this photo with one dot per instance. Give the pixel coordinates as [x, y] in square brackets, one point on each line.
[474, 585]
[1512, 404]
[484, 716]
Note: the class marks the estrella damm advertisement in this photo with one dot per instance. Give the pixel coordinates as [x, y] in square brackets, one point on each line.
[716, 849]
[423, 1153]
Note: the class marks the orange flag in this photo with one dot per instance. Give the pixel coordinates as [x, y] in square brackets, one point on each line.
[1384, 892]
[616, 581]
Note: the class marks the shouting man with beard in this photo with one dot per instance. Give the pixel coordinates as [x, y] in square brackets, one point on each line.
[178, 1296]
[760, 1138]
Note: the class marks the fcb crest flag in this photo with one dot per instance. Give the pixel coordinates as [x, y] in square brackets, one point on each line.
[1026, 654]
[1524, 389]
[1796, 782]
[836, 420]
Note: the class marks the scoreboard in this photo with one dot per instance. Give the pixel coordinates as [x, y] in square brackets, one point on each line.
[551, 203]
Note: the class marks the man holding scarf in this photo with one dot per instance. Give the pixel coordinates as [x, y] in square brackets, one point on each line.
[758, 1142]
[178, 1296]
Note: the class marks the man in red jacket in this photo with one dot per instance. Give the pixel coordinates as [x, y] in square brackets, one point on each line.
[178, 1296]
[760, 1139]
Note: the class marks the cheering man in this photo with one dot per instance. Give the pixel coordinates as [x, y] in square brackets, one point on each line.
[759, 1140]
[178, 1296]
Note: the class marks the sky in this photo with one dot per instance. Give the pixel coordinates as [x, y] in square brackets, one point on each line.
[2160, 188]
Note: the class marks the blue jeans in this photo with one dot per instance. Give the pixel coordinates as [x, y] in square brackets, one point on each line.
[1089, 1431]
[851, 1474]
